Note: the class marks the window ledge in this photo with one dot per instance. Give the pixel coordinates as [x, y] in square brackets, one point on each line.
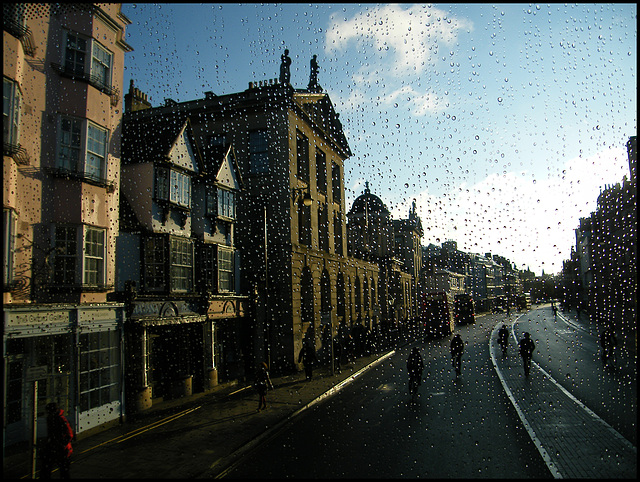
[110, 186]
[111, 91]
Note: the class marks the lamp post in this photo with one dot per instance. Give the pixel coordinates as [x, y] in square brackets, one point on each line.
[266, 292]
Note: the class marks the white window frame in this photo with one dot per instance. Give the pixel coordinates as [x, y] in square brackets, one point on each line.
[181, 264]
[226, 270]
[11, 104]
[89, 144]
[99, 368]
[226, 204]
[88, 257]
[101, 64]
[100, 68]
[173, 186]
[94, 255]
[10, 226]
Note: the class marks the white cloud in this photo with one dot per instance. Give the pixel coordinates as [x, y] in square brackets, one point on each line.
[410, 35]
[420, 104]
[530, 222]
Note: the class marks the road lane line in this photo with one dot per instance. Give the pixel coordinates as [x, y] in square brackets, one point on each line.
[548, 459]
[532, 434]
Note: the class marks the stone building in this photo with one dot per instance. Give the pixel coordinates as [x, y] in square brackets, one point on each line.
[177, 266]
[614, 239]
[291, 227]
[62, 81]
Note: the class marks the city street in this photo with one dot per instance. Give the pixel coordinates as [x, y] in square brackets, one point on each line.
[570, 353]
[363, 423]
[458, 428]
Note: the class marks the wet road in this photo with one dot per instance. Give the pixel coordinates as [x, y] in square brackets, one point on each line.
[458, 428]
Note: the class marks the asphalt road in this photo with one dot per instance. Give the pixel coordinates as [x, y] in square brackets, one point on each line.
[571, 355]
[458, 428]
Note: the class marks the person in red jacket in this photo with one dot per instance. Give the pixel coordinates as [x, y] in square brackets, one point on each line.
[58, 448]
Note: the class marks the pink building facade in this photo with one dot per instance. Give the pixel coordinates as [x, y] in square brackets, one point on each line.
[62, 105]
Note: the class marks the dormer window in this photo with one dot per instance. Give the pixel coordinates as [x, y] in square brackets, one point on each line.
[221, 203]
[226, 204]
[173, 186]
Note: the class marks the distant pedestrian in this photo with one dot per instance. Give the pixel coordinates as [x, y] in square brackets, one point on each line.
[608, 342]
[58, 449]
[263, 383]
[457, 347]
[308, 358]
[527, 347]
[503, 339]
[337, 353]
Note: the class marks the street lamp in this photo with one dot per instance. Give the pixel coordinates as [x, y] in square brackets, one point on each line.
[306, 199]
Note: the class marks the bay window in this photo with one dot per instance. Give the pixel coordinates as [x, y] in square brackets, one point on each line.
[173, 186]
[168, 262]
[79, 258]
[78, 49]
[82, 148]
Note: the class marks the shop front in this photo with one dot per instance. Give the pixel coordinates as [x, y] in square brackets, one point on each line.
[68, 354]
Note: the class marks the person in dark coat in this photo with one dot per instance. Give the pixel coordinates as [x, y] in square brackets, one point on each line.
[308, 358]
[527, 347]
[337, 353]
[608, 342]
[263, 383]
[457, 347]
[415, 366]
[503, 339]
[58, 448]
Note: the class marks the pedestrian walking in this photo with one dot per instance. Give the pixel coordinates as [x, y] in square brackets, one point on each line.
[608, 342]
[457, 347]
[263, 383]
[415, 366]
[308, 358]
[503, 339]
[58, 448]
[527, 347]
[337, 353]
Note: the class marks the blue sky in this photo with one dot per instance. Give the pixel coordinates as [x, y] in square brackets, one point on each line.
[503, 122]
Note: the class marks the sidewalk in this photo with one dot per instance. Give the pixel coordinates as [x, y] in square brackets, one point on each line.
[573, 441]
[583, 322]
[227, 426]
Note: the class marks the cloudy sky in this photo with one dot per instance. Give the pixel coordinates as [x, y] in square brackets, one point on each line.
[503, 122]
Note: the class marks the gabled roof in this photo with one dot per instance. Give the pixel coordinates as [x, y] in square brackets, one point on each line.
[152, 138]
[217, 159]
[319, 108]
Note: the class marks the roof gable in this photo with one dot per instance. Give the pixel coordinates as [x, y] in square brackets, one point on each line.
[228, 174]
[182, 152]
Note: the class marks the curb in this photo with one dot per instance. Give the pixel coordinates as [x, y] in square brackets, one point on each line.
[224, 465]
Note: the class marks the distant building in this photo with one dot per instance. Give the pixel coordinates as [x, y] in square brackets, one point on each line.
[372, 237]
[62, 81]
[614, 251]
[408, 233]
